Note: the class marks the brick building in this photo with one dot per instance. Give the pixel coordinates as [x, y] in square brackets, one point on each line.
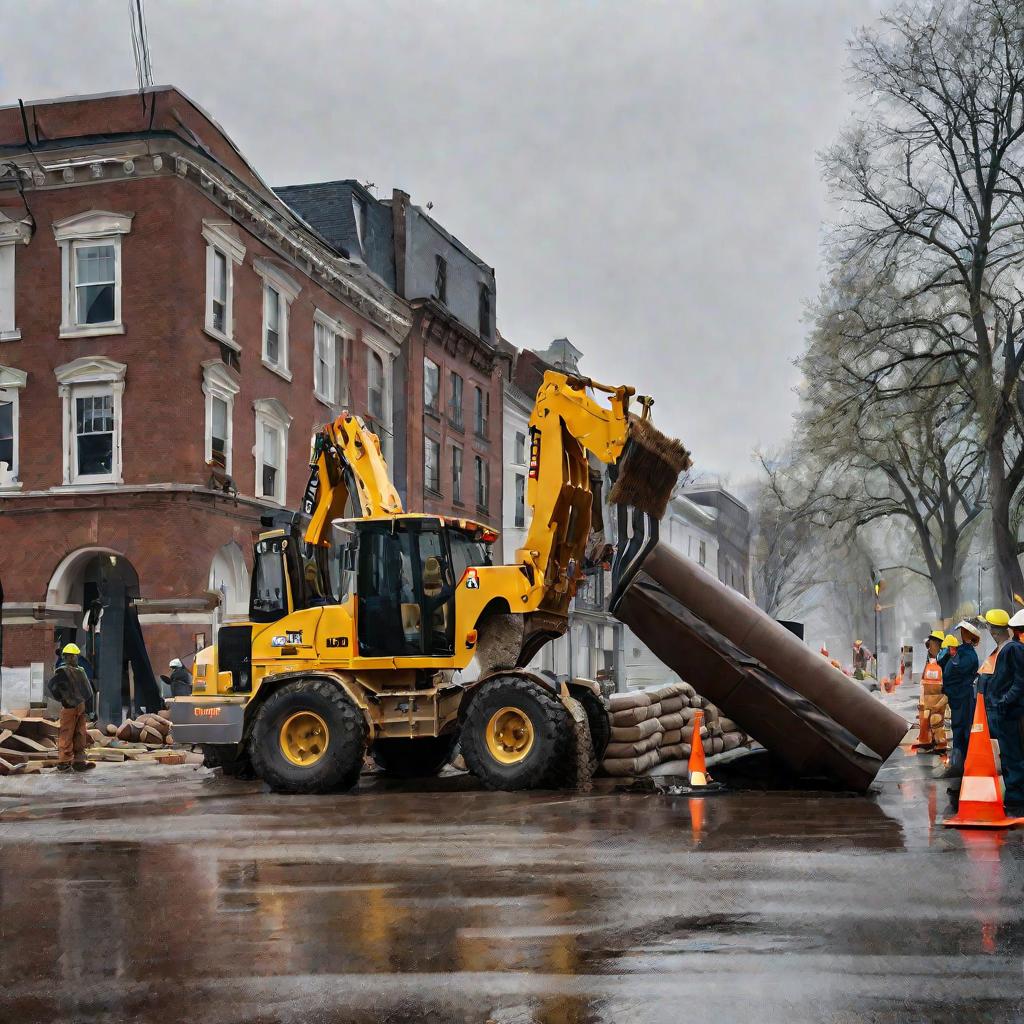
[447, 455]
[170, 334]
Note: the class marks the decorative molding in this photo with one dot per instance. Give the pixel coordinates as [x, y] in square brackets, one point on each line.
[272, 409]
[92, 224]
[287, 286]
[12, 378]
[224, 235]
[218, 376]
[90, 370]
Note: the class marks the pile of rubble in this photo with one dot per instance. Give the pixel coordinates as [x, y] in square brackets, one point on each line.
[652, 727]
[28, 743]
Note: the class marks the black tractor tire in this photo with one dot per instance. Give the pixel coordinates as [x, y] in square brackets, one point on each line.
[551, 731]
[413, 759]
[228, 759]
[598, 718]
[337, 767]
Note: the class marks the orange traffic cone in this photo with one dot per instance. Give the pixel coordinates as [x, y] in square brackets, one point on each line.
[924, 739]
[981, 803]
[887, 685]
[899, 675]
[697, 768]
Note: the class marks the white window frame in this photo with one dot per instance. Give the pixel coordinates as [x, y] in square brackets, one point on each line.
[371, 355]
[94, 227]
[88, 377]
[11, 233]
[220, 237]
[438, 408]
[220, 382]
[388, 352]
[520, 458]
[287, 289]
[336, 338]
[12, 383]
[270, 412]
[481, 481]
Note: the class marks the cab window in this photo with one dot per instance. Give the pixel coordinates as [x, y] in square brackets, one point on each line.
[269, 595]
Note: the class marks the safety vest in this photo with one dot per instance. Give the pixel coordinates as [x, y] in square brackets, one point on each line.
[988, 666]
[932, 672]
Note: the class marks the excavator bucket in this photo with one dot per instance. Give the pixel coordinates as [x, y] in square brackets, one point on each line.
[648, 469]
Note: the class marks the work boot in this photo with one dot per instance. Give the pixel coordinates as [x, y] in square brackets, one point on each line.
[83, 766]
[64, 766]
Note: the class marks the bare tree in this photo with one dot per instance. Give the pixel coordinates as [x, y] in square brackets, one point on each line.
[932, 182]
[785, 568]
[905, 449]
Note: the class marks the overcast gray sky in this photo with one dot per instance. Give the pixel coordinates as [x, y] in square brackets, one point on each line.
[641, 175]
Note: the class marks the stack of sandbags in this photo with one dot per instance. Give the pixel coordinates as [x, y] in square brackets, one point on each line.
[153, 730]
[650, 727]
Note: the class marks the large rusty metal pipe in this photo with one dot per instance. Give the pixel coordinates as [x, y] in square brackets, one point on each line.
[753, 632]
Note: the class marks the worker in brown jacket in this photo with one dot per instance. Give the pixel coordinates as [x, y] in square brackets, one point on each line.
[71, 688]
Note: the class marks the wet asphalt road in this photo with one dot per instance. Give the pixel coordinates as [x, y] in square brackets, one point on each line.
[173, 895]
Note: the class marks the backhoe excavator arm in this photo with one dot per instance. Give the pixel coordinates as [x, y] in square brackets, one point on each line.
[345, 460]
[565, 425]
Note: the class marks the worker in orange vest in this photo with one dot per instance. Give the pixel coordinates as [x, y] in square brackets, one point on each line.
[933, 700]
[998, 622]
[959, 672]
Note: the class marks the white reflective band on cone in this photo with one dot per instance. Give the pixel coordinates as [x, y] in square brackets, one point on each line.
[979, 788]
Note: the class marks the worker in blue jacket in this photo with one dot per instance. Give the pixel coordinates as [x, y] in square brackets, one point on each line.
[1006, 689]
[959, 668]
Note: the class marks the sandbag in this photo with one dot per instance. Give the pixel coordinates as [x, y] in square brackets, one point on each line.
[630, 765]
[675, 752]
[666, 692]
[633, 699]
[631, 716]
[675, 721]
[640, 731]
[634, 749]
[670, 705]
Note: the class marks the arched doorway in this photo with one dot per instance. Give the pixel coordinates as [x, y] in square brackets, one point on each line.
[101, 587]
[229, 578]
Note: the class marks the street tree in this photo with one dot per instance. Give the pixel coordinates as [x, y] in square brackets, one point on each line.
[931, 182]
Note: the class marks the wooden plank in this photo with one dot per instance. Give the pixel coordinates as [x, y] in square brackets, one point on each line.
[38, 728]
[27, 743]
[4, 735]
[23, 755]
[104, 754]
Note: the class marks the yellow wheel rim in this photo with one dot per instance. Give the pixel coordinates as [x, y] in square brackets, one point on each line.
[509, 735]
[304, 738]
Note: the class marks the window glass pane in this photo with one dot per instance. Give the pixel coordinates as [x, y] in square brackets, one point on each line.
[94, 284]
[220, 276]
[7, 433]
[455, 399]
[520, 449]
[95, 264]
[457, 475]
[431, 464]
[273, 314]
[219, 432]
[520, 500]
[323, 366]
[375, 388]
[431, 384]
[94, 427]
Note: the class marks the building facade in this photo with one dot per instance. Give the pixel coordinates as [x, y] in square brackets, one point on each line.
[446, 451]
[171, 333]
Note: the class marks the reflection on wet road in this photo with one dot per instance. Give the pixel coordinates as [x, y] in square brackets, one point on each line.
[169, 894]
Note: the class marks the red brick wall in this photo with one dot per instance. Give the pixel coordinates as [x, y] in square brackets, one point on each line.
[440, 428]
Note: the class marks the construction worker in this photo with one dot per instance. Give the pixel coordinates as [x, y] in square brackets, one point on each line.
[71, 688]
[958, 671]
[998, 622]
[933, 701]
[1007, 691]
[180, 679]
[861, 659]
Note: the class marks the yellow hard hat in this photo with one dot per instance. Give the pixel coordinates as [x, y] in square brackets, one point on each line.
[950, 641]
[936, 634]
[70, 649]
[997, 617]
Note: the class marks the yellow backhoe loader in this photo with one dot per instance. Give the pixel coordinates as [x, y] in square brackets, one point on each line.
[361, 628]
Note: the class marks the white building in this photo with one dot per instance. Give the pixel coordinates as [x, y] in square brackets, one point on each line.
[690, 529]
[515, 447]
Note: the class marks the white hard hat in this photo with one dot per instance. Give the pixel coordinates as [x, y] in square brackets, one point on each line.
[1017, 622]
[176, 663]
[970, 627]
